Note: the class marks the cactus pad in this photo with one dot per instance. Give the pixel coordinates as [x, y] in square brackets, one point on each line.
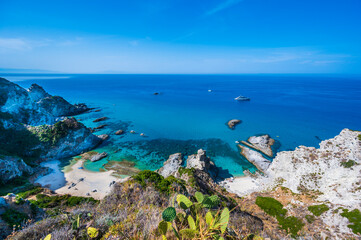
[92, 232]
[169, 214]
[199, 196]
[183, 201]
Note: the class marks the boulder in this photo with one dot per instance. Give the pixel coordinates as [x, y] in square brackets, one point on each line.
[98, 156]
[232, 123]
[171, 166]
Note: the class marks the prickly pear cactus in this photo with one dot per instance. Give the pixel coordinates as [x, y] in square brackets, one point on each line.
[169, 214]
[48, 237]
[223, 220]
[188, 233]
[163, 227]
[183, 201]
[199, 196]
[211, 202]
[92, 232]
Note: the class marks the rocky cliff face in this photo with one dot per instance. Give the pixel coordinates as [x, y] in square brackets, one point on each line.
[64, 139]
[320, 186]
[11, 167]
[334, 169]
[34, 106]
[33, 127]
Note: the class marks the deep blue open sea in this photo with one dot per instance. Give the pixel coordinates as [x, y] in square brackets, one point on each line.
[293, 109]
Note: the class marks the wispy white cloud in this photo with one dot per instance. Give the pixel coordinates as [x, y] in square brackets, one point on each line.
[71, 42]
[14, 44]
[134, 43]
[223, 5]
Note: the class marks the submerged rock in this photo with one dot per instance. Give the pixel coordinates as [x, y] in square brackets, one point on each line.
[100, 127]
[232, 123]
[171, 166]
[100, 119]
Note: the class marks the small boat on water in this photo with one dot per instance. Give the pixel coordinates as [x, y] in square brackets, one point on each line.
[242, 98]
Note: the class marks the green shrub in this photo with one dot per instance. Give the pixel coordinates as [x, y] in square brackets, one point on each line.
[359, 137]
[317, 210]
[310, 218]
[17, 184]
[271, 206]
[354, 218]
[31, 192]
[274, 208]
[45, 201]
[291, 224]
[14, 218]
[19, 142]
[348, 164]
[162, 184]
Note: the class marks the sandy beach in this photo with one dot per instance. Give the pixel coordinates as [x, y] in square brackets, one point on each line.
[77, 181]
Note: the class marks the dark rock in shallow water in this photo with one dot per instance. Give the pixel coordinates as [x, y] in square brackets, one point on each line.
[100, 127]
[100, 119]
[119, 132]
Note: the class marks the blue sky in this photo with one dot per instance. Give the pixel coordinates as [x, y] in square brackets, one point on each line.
[181, 36]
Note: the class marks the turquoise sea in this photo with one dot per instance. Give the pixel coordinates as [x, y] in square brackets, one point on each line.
[293, 109]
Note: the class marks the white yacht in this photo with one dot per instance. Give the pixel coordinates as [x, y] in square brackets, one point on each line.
[242, 98]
